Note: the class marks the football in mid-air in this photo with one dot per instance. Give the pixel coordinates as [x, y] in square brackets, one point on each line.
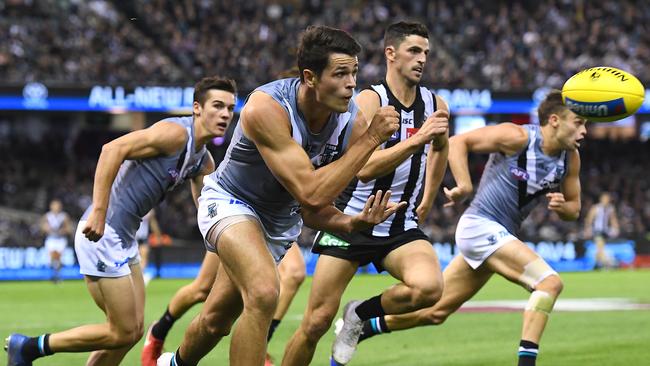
[603, 94]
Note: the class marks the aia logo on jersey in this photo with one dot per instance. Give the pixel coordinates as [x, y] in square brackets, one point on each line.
[411, 131]
[518, 173]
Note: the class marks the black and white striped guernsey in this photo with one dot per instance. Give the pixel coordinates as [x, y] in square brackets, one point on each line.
[406, 182]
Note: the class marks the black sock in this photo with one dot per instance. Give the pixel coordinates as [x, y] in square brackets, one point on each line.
[36, 347]
[274, 324]
[370, 308]
[177, 359]
[373, 327]
[528, 353]
[163, 326]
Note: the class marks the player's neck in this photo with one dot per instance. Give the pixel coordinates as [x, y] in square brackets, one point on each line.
[549, 146]
[404, 91]
[201, 136]
[315, 114]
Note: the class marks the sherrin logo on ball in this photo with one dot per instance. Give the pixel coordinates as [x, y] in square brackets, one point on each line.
[603, 94]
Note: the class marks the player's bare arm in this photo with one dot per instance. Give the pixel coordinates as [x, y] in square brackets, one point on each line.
[161, 138]
[196, 184]
[506, 138]
[266, 124]
[384, 161]
[567, 202]
[436, 167]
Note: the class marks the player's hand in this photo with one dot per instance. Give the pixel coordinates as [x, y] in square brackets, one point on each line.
[456, 195]
[377, 210]
[423, 211]
[384, 124]
[94, 227]
[555, 201]
[434, 129]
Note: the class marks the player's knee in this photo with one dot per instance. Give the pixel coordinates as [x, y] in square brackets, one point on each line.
[433, 317]
[552, 285]
[201, 293]
[125, 337]
[316, 324]
[293, 276]
[426, 294]
[262, 297]
[214, 326]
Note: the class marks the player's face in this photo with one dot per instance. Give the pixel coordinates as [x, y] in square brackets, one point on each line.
[571, 130]
[411, 56]
[55, 206]
[217, 111]
[335, 86]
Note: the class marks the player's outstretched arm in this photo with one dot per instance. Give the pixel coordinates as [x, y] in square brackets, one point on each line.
[162, 138]
[266, 124]
[384, 161]
[506, 138]
[376, 210]
[567, 203]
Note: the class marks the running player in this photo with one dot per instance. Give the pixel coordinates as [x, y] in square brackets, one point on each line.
[57, 227]
[527, 163]
[298, 143]
[601, 223]
[132, 176]
[396, 245]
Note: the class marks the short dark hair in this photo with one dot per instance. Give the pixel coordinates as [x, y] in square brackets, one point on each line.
[213, 82]
[552, 104]
[318, 42]
[396, 32]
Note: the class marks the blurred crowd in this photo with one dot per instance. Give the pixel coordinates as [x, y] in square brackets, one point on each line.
[57, 161]
[501, 45]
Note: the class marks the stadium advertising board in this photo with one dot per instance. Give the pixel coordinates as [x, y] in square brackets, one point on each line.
[102, 98]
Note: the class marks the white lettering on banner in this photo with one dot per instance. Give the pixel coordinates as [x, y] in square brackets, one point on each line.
[466, 98]
[142, 97]
[31, 257]
[550, 251]
[554, 252]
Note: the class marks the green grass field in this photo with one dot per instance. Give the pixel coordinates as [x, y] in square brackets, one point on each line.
[571, 338]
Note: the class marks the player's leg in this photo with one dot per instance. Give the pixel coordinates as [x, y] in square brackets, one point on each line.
[518, 263]
[602, 259]
[215, 321]
[292, 274]
[330, 279]
[55, 262]
[248, 263]
[461, 283]
[143, 248]
[113, 357]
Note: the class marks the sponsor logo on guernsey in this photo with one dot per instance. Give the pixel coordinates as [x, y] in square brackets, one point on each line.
[329, 240]
[411, 131]
[597, 109]
[518, 173]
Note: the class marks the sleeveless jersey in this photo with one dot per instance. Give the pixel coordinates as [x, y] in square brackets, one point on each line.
[511, 186]
[601, 218]
[141, 184]
[55, 222]
[407, 180]
[244, 174]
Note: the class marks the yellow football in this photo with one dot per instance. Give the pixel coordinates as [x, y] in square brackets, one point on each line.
[603, 94]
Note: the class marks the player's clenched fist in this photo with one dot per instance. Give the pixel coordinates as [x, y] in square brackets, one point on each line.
[435, 128]
[384, 124]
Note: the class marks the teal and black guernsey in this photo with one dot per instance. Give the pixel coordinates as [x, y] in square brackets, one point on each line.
[244, 174]
[140, 185]
[511, 186]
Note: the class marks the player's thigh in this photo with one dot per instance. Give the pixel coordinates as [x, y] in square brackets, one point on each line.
[461, 283]
[512, 261]
[138, 290]
[116, 296]
[292, 263]
[414, 263]
[245, 257]
[331, 277]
